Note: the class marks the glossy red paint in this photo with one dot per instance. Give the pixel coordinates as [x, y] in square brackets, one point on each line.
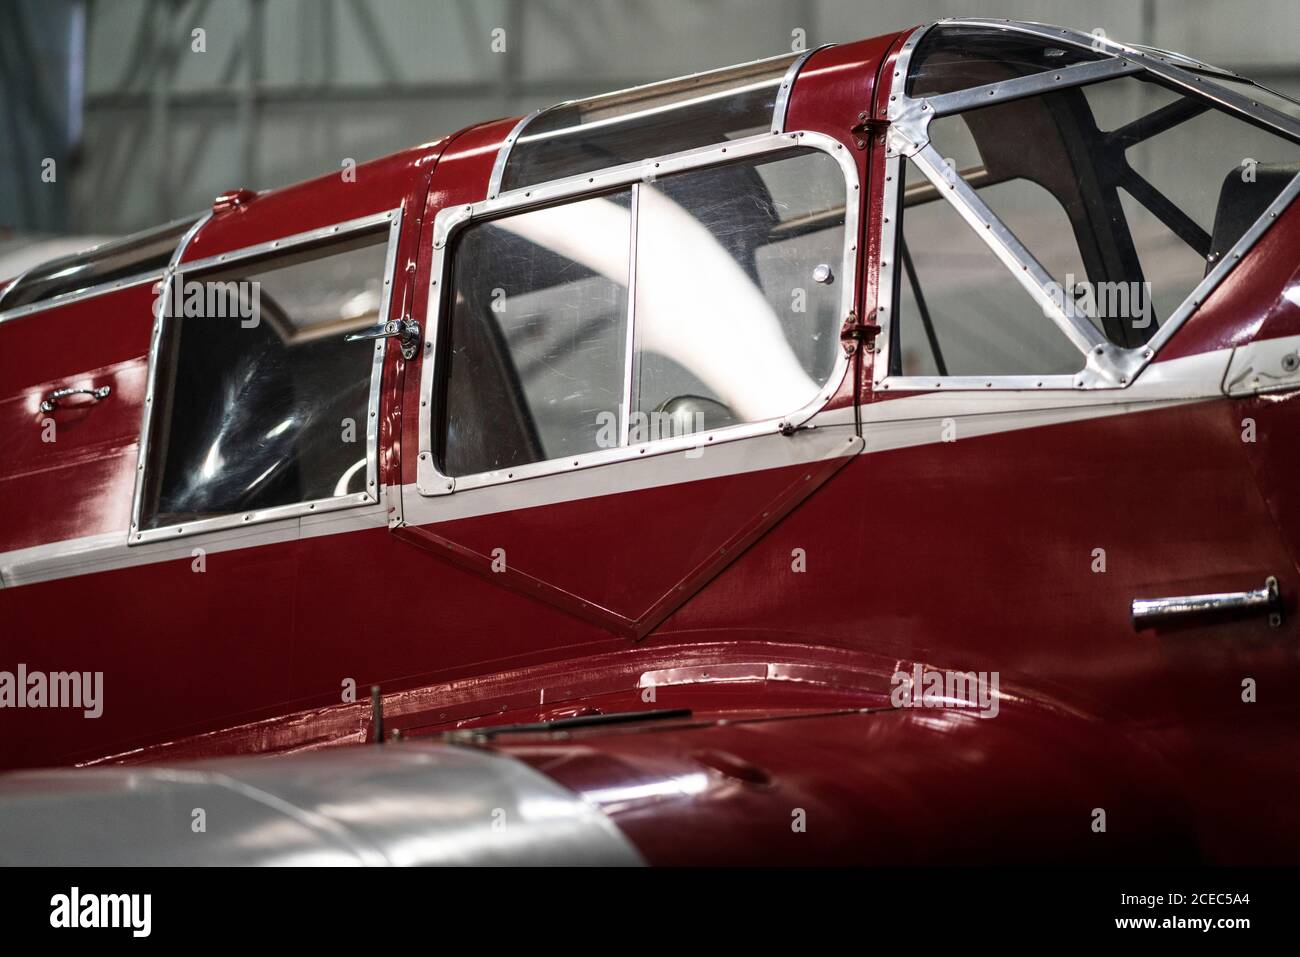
[1259, 299]
[631, 591]
[1275, 460]
[978, 555]
[464, 171]
[71, 472]
[401, 180]
[833, 94]
[888, 787]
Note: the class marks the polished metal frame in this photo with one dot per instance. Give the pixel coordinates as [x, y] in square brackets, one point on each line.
[503, 154]
[139, 536]
[1102, 364]
[779, 108]
[431, 481]
[96, 290]
[68, 298]
[782, 105]
[9, 286]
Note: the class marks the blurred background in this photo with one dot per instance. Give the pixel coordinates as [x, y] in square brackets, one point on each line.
[118, 114]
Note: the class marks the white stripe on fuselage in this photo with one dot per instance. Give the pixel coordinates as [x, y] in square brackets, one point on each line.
[906, 422]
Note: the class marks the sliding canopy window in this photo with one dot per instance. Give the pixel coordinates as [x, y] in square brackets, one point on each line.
[682, 304]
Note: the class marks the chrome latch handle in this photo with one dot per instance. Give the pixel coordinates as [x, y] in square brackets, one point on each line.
[51, 401]
[1266, 600]
[406, 330]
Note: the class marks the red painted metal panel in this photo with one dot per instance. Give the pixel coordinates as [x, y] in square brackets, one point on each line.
[68, 340]
[178, 650]
[685, 534]
[71, 472]
[1256, 300]
[349, 193]
[884, 788]
[461, 178]
[833, 95]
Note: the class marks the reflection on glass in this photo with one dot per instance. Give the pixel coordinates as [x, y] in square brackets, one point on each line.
[727, 306]
[262, 403]
[144, 252]
[652, 120]
[736, 313]
[952, 58]
[536, 337]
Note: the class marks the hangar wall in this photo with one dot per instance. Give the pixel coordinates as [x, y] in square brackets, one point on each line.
[147, 122]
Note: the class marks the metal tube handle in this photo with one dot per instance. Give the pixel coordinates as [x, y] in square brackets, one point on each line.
[51, 401]
[405, 330]
[1267, 600]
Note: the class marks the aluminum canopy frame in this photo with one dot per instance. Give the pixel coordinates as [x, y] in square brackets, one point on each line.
[1104, 365]
[672, 95]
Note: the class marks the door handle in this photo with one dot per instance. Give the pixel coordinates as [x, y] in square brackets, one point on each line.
[405, 330]
[51, 401]
[1266, 600]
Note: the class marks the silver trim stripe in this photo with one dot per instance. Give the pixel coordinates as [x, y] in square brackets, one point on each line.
[68, 298]
[99, 288]
[782, 105]
[503, 154]
[1076, 75]
[1193, 82]
[9, 286]
[889, 425]
[629, 344]
[110, 551]
[146, 415]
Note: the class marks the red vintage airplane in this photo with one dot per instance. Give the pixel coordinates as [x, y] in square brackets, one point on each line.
[875, 453]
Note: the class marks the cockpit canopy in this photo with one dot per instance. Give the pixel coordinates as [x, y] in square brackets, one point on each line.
[1062, 202]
